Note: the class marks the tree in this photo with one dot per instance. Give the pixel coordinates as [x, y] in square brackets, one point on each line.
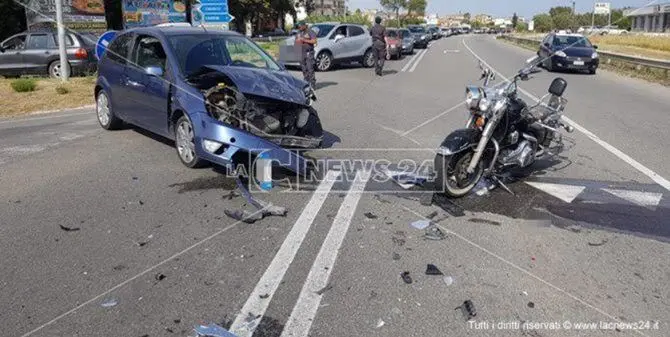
[13, 20]
[416, 6]
[309, 5]
[395, 6]
[515, 20]
[554, 11]
[466, 16]
[543, 22]
[563, 21]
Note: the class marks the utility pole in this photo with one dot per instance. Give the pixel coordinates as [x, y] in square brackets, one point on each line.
[573, 9]
[64, 68]
[593, 15]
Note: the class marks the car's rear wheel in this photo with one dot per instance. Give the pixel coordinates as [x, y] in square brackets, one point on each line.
[324, 61]
[369, 58]
[55, 69]
[103, 110]
[185, 143]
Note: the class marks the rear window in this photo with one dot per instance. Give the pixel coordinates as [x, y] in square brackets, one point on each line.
[38, 41]
[392, 33]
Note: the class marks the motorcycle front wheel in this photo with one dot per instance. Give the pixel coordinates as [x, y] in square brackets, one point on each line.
[452, 176]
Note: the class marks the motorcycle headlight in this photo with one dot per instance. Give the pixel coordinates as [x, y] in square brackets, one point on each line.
[594, 55]
[560, 53]
[484, 104]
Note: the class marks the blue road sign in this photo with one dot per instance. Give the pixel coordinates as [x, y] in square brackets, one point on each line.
[218, 18]
[214, 2]
[220, 8]
[103, 42]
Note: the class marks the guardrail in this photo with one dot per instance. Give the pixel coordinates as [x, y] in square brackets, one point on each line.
[606, 56]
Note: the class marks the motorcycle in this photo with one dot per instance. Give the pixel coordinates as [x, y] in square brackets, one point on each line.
[502, 132]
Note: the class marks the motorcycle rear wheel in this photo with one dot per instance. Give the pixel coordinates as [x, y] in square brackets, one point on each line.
[452, 176]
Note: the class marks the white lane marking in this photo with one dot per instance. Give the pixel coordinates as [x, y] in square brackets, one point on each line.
[644, 199]
[418, 60]
[632, 162]
[409, 64]
[300, 321]
[432, 119]
[256, 306]
[46, 117]
[567, 193]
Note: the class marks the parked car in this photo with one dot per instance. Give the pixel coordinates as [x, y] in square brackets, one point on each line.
[421, 36]
[568, 51]
[336, 43]
[36, 53]
[434, 33]
[393, 44]
[217, 94]
[407, 41]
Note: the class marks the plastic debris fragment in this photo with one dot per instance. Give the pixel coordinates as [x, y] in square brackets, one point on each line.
[213, 330]
[431, 269]
[448, 280]
[370, 215]
[434, 233]
[109, 303]
[468, 309]
[421, 224]
[406, 278]
[380, 323]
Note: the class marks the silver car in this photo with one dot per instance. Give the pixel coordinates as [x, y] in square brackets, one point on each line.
[336, 43]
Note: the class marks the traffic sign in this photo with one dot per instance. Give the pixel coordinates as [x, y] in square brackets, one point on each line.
[216, 18]
[214, 8]
[601, 8]
[103, 42]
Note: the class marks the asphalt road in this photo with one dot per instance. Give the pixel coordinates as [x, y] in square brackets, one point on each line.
[585, 239]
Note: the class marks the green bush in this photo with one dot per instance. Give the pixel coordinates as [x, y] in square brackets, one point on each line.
[62, 90]
[24, 85]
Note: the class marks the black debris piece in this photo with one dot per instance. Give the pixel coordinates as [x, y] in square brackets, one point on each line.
[434, 233]
[441, 200]
[406, 278]
[389, 222]
[119, 267]
[209, 283]
[17, 201]
[141, 202]
[396, 256]
[324, 289]
[169, 330]
[135, 178]
[596, 244]
[231, 195]
[342, 195]
[426, 199]
[398, 241]
[145, 335]
[431, 269]
[204, 206]
[69, 229]
[484, 221]
[432, 215]
[264, 296]
[177, 321]
[531, 305]
[380, 199]
[468, 309]
[370, 215]
[160, 277]
[142, 244]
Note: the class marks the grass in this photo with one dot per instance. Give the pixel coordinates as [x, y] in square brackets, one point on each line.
[623, 68]
[23, 85]
[271, 48]
[46, 96]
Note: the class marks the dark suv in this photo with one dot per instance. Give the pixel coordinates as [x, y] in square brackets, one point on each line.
[36, 53]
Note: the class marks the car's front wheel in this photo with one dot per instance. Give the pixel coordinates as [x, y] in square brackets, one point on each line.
[324, 61]
[369, 58]
[103, 110]
[185, 143]
[55, 70]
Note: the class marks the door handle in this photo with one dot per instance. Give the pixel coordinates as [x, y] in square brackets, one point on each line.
[134, 84]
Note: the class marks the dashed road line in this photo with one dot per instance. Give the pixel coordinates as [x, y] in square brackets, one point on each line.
[418, 60]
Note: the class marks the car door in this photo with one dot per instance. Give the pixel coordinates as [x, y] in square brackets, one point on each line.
[358, 41]
[546, 46]
[37, 55]
[339, 48]
[11, 59]
[147, 93]
[113, 69]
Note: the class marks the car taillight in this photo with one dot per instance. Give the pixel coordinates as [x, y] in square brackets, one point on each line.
[81, 54]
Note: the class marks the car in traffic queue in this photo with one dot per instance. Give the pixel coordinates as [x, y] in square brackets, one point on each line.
[434, 33]
[568, 52]
[393, 44]
[408, 41]
[217, 94]
[337, 43]
[36, 53]
[421, 36]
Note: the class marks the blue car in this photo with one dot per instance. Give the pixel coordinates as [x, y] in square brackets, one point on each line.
[217, 94]
[568, 52]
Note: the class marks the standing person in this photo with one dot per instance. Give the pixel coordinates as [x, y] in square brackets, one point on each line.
[306, 38]
[378, 33]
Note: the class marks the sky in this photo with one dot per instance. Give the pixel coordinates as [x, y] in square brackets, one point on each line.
[502, 8]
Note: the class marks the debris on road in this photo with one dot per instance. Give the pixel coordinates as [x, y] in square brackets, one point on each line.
[264, 296]
[442, 201]
[448, 280]
[381, 199]
[324, 289]
[398, 238]
[468, 309]
[396, 256]
[142, 243]
[598, 243]
[380, 323]
[531, 305]
[264, 208]
[432, 215]
[231, 195]
[431, 269]
[406, 181]
[109, 303]
[421, 224]
[160, 277]
[434, 233]
[484, 221]
[69, 229]
[370, 215]
[212, 330]
[426, 199]
[406, 278]
[244, 216]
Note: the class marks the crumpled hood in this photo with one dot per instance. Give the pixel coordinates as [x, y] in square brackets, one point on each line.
[278, 85]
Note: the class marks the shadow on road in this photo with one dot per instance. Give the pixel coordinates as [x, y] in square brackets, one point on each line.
[321, 85]
[389, 72]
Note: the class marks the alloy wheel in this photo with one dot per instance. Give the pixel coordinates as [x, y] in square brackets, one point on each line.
[185, 141]
[102, 108]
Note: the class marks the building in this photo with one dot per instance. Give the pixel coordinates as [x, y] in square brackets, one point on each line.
[500, 22]
[452, 20]
[330, 7]
[432, 19]
[483, 19]
[654, 18]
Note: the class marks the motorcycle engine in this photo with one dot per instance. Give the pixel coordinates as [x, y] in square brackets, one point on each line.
[522, 156]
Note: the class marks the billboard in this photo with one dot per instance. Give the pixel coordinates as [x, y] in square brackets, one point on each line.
[78, 15]
[602, 8]
[142, 13]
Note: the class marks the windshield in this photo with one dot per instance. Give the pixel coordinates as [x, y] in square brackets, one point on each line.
[571, 41]
[196, 50]
[417, 29]
[322, 30]
[406, 34]
[392, 33]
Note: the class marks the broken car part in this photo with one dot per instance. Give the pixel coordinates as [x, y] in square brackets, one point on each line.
[406, 278]
[431, 269]
[434, 233]
[468, 309]
[212, 330]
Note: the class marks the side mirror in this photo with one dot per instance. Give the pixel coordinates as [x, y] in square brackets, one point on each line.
[595, 47]
[558, 86]
[339, 37]
[154, 71]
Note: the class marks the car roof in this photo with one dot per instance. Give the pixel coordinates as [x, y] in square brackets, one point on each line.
[179, 30]
[573, 35]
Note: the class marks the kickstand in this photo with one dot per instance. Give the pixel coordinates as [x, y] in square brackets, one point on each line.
[501, 184]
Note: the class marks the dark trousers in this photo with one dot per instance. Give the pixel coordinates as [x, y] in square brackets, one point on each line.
[380, 58]
[307, 65]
